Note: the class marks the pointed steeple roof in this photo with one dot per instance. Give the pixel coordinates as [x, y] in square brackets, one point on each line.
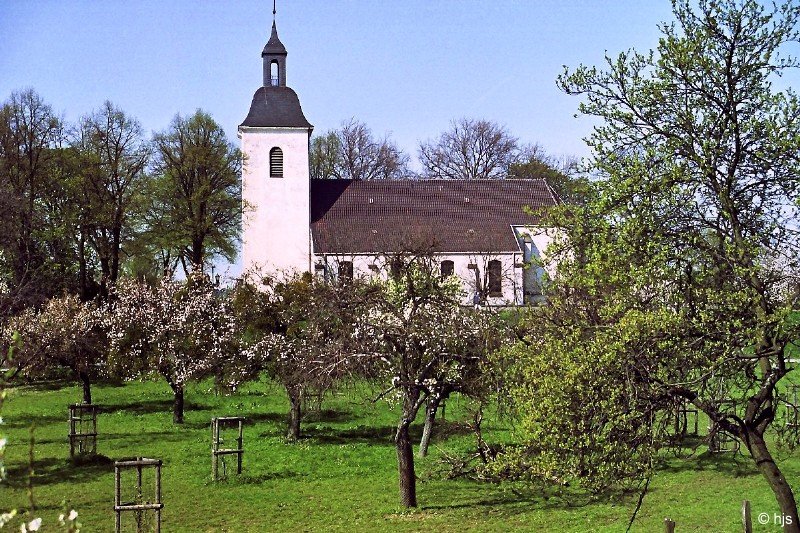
[274, 45]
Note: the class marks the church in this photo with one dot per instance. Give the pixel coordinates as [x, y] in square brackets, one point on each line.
[484, 231]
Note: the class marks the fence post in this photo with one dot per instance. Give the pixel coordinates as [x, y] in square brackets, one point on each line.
[747, 521]
[669, 525]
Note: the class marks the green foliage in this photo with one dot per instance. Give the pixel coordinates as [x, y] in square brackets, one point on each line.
[196, 196]
[673, 279]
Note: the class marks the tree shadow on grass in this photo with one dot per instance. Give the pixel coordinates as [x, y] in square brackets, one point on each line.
[250, 419]
[326, 415]
[523, 500]
[256, 479]
[149, 407]
[52, 470]
[733, 464]
[46, 385]
[360, 434]
[19, 422]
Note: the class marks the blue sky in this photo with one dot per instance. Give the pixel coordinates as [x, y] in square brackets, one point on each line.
[405, 68]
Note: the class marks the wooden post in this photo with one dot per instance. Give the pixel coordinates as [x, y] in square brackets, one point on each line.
[214, 446]
[117, 501]
[71, 433]
[158, 497]
[140, 504]
[669, 525]
[82, 429]
[239, 443]
[747, 521]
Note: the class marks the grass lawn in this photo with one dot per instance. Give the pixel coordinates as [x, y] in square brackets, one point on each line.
[342, 476]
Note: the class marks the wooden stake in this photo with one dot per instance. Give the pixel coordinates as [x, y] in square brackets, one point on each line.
[747, 521]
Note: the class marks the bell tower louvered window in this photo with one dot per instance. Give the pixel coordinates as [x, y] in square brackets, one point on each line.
[276, 163]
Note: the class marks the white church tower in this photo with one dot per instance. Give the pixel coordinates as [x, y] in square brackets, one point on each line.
[275, 174]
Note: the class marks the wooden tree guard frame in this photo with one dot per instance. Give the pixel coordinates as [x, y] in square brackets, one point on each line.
[217, 451]
[156, 505]
[682, 413]
[792, 406]
[720, 441]
[82, 429]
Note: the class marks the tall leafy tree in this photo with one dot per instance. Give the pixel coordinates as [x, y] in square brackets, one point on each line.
[197, 190]
[560, 173]
[682, 294]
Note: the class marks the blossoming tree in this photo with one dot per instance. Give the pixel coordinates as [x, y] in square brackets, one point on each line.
[66, 333]
[297, 331]
[182, 330]
[423, 343]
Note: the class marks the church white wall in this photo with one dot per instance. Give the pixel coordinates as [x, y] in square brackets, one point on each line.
[368, 265]
[276, 223]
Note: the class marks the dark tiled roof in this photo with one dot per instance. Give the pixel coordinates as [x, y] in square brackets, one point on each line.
[274, 45]
[437, 215]
[276, 107]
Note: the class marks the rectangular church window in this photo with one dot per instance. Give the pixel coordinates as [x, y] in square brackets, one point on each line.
[495, 274]
[345, 271]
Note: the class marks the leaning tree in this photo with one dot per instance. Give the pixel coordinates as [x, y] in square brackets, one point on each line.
[676, 279]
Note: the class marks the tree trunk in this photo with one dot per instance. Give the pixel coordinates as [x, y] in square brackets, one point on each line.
[405, 464]
[295, 401]
[197, 254]
[87, 387]
[116, 238]
[783, 491]
[430, 416]
[82, 274]
[177, 406]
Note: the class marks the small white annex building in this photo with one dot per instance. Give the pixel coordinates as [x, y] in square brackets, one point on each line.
[484, 231]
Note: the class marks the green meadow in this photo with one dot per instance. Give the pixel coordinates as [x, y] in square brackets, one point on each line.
[340, 477]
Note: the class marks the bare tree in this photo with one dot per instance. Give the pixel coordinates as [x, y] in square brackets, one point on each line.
[113, 157]
[353, 152]
[31, 136]
[470, 149]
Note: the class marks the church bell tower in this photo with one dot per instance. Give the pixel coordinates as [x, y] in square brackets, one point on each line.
[275, 172]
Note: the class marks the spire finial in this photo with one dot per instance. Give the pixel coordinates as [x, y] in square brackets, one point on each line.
[273, 10]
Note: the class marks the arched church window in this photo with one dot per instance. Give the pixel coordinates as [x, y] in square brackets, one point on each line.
[447, 268]
[274, 75]
[495, 280]
[276, 163]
